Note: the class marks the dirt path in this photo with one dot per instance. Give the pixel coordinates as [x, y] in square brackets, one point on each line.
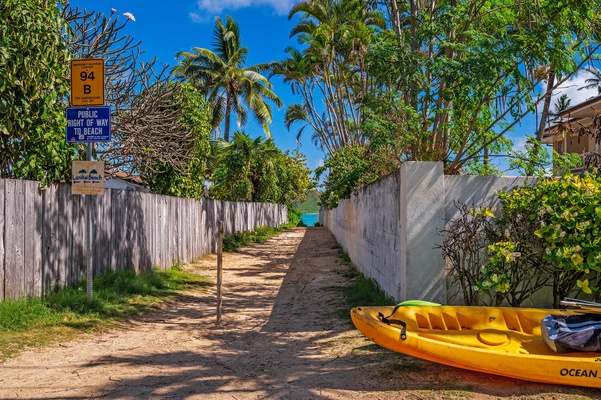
[280, 338]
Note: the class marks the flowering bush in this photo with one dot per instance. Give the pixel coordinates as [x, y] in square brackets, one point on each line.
[544, 235]
[494, 275]
[515, 268]
[571, 212]
[566, 212]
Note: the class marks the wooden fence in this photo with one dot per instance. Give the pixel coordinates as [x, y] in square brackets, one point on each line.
[43, 232]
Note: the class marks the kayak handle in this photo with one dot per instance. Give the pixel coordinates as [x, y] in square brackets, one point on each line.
[389, 321]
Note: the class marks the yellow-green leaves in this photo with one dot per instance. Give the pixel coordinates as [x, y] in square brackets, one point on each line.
[584, 286]
[487, 212]
[565, 210]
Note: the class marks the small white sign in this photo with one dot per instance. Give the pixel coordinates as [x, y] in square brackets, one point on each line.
[87, 178]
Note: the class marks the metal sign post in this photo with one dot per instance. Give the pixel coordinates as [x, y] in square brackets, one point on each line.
[88, 124]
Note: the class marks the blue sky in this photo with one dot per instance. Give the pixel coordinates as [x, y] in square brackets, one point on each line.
[164, 28]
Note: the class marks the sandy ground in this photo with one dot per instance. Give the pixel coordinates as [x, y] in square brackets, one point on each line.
[280, 337]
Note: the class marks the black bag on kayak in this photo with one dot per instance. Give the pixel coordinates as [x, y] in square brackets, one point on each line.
[570, 333]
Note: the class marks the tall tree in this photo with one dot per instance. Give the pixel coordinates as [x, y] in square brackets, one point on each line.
[33, 84]
[147, 129]
[329, 72]
[467, 67]
[230, 85]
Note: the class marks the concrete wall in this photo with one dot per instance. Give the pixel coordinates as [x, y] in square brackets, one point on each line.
[367, 228]
[389, 228]
[477, 190]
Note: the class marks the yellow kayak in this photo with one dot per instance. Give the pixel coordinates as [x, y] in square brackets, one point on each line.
[496, 340]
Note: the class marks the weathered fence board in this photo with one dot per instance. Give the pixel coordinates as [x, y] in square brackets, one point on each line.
[33, 240]
[2, 230]
[14, 240]
[49, 234]
[43, 232]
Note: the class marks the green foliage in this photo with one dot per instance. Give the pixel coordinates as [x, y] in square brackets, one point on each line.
[497, 276]
[311, 204]
[256, 170]
[516, 268]
[568, 209]
[534, 160]
[294, 178]
[294, 218]
[195, 119]
[544, 235]
[33, 86]
[232, 243]
[347, 170]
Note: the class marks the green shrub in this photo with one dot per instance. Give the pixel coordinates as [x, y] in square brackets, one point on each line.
[294, 218]
[231, 243]
[544, 235]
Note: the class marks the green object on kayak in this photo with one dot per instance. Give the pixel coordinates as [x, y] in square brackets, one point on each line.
[422, 303]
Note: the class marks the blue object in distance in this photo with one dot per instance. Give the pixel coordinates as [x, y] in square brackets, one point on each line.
[309, 219]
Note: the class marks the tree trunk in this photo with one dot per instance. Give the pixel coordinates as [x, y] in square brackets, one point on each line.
[228, 108]
[546, 105]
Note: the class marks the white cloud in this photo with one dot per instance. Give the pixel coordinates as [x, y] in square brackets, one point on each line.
[213, 7]
[197, 18]
[519, 144]
[570, 88]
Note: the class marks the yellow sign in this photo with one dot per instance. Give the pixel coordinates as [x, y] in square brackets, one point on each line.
[87, 82]
[87, 177]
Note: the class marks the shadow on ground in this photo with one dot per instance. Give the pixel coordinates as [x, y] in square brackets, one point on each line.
[281, 338]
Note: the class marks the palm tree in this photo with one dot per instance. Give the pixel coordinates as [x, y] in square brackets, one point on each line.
[229, 85]
[561, 104]
[594, 81]
[246, 170]
[329, 71]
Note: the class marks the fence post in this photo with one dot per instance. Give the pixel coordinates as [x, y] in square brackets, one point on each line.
[219, 267]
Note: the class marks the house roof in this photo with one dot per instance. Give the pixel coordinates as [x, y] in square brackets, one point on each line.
[585, 110]
[123, 176]
[579, 115]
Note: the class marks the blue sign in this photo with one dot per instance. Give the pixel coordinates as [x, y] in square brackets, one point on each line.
[88, 124]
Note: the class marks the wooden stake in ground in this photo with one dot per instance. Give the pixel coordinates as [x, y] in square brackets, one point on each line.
[219, 267]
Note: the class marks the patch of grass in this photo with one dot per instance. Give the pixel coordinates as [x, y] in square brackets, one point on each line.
[65, 313]
[362, 291]
[232, 243]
